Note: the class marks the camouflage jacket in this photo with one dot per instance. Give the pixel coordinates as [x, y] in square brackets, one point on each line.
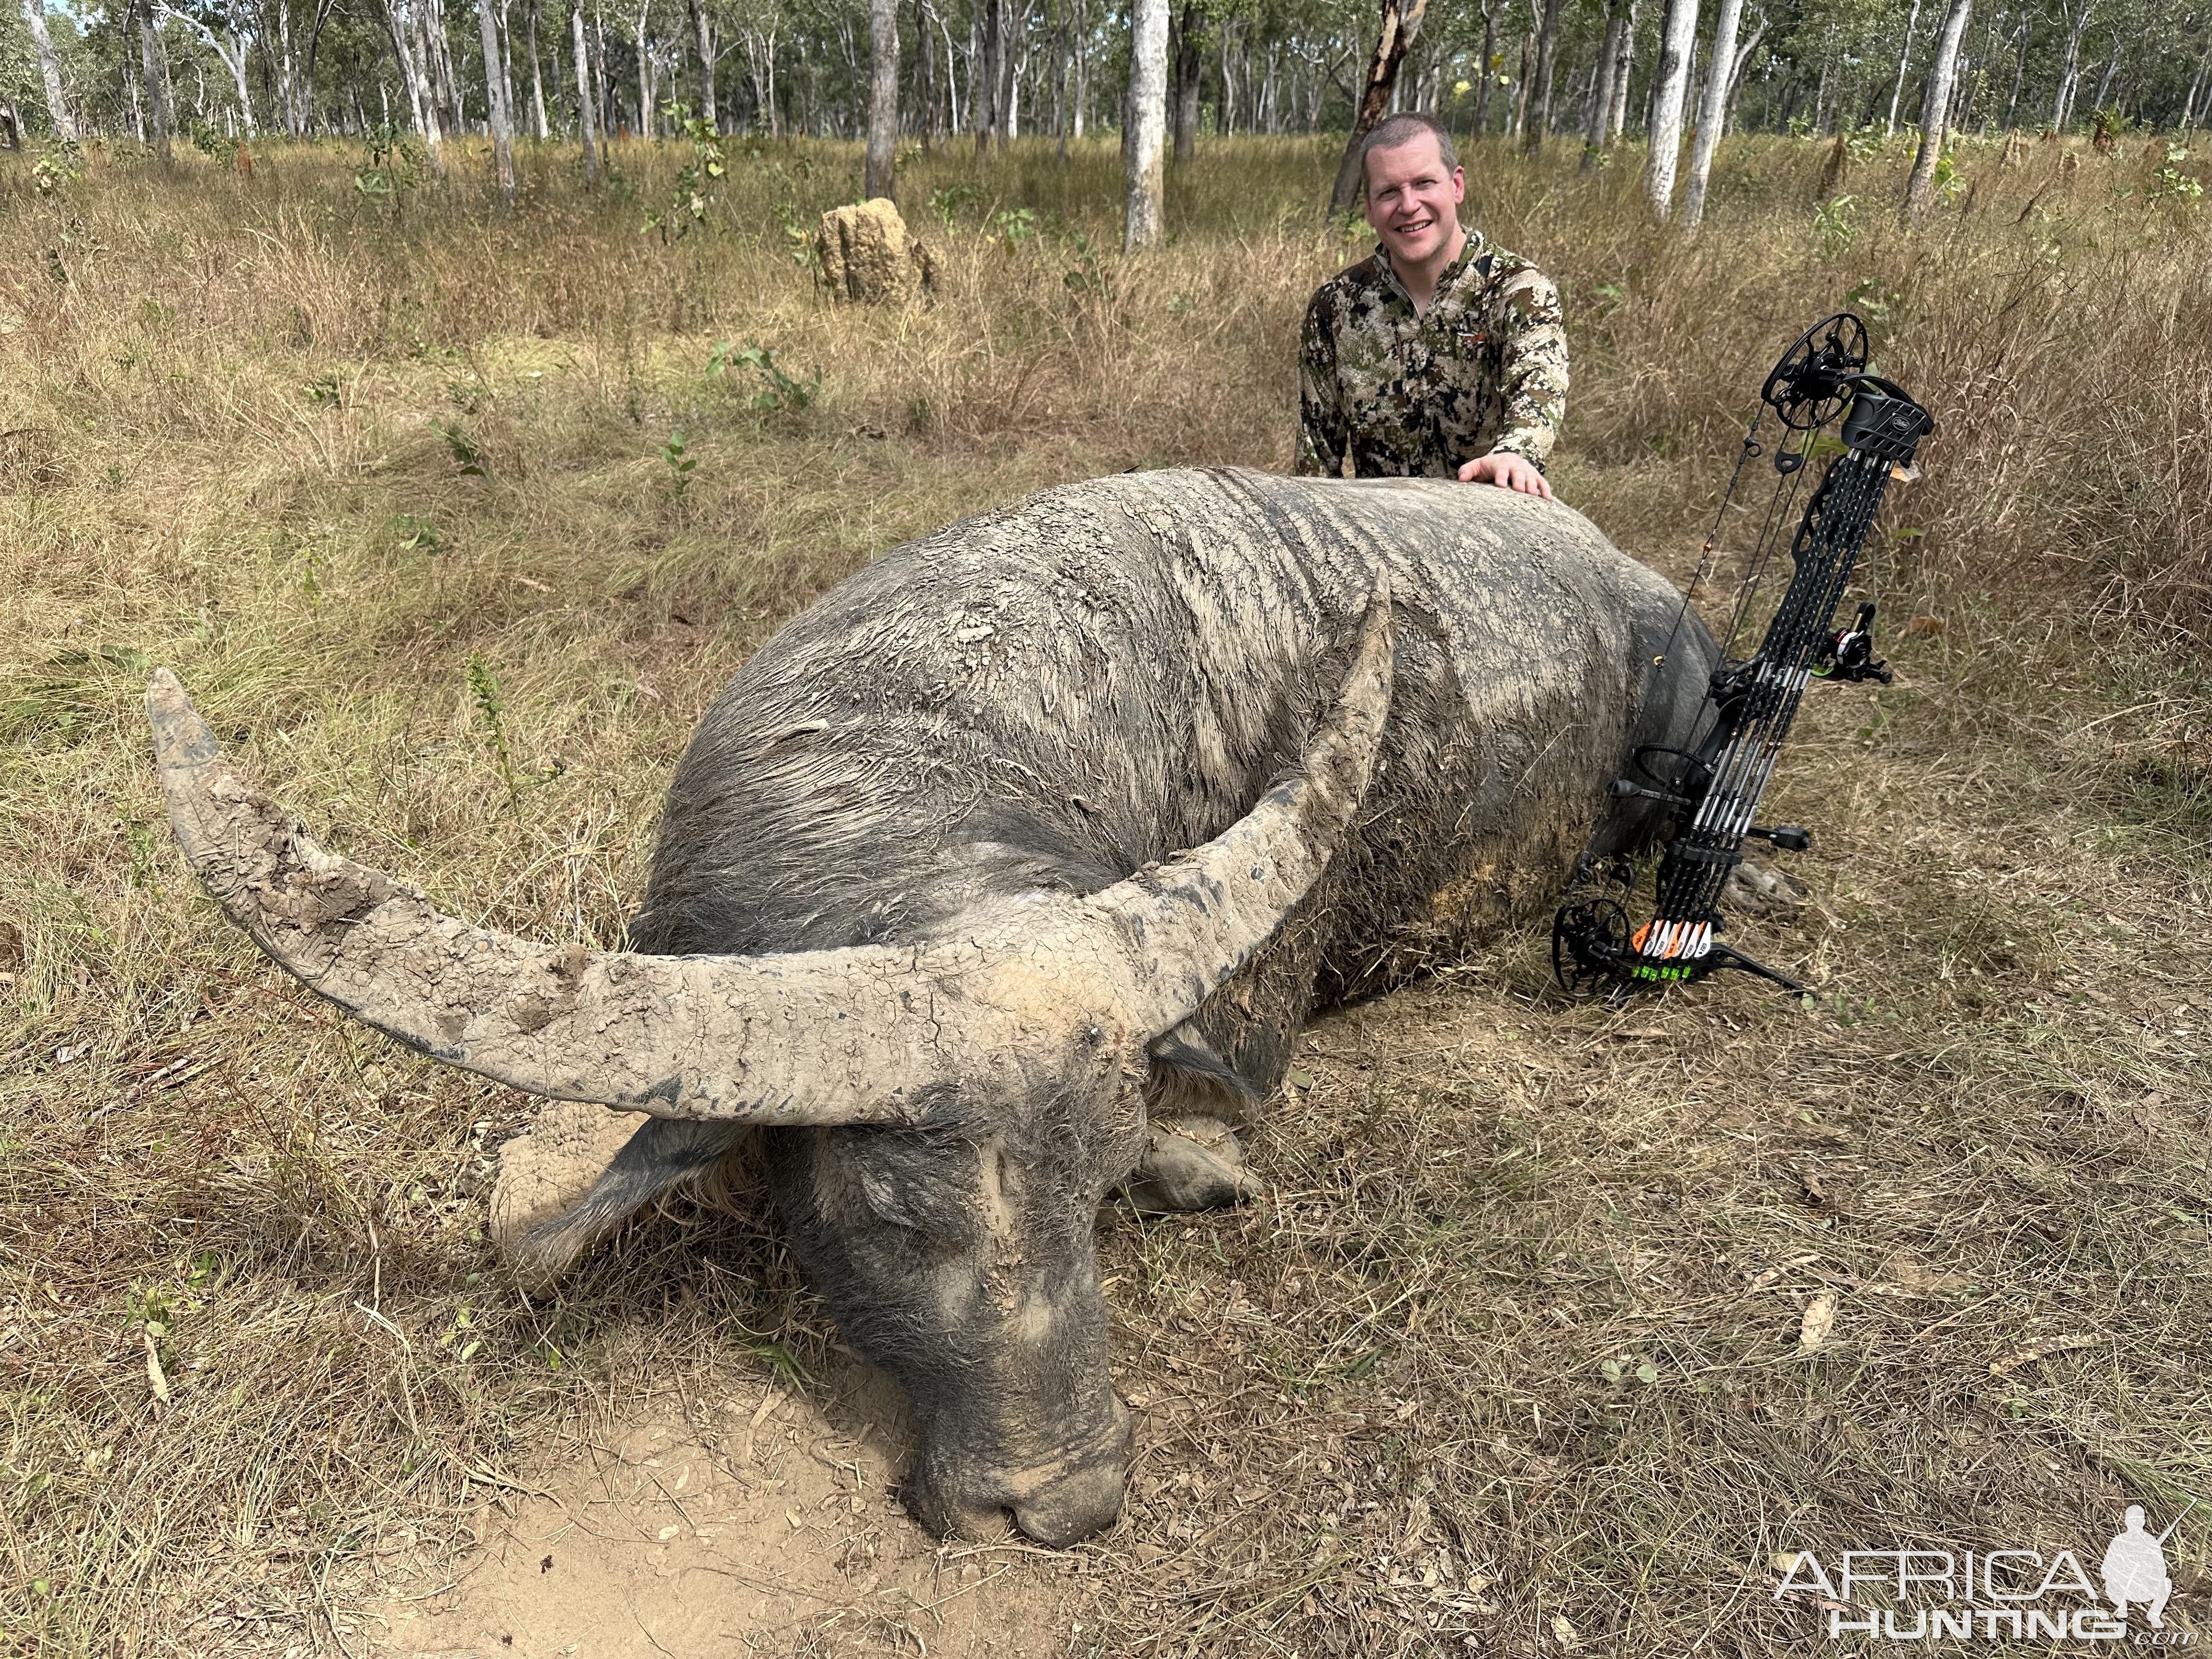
[1408, 394]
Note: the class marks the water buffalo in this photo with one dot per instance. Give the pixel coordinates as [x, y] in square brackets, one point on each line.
[1006, 875]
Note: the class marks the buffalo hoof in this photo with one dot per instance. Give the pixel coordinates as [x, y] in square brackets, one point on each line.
[1190, 1163]
[544, 1174]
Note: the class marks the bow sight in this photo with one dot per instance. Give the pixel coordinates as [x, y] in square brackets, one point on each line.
[1714, 783]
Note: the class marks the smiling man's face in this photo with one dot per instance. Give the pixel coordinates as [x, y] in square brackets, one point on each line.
[1412, 199]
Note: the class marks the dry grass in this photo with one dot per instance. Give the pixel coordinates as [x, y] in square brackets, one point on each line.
[1398, 1409]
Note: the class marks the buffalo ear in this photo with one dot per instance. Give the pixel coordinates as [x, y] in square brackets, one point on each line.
[1188, 1080]
[547, 1175]
[579, 1171]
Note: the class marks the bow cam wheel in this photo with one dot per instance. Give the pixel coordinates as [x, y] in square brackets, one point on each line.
[1807, 387]
[1589, 938]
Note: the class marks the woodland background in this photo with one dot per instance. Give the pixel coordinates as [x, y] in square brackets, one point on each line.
[1562, 1323]
[1005, 69]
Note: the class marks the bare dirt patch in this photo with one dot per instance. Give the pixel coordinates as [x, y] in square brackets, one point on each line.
[765, 1522]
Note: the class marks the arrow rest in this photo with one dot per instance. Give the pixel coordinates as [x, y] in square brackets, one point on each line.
[1712, 781]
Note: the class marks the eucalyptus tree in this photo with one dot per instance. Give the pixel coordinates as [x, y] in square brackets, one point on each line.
[1903, 58]
[761, 27]
[1401, 24]
[587, 120]
[1723, 65]
[1147, 112]
[154, 73]
[499, 119]
[50, 70]
[1935, 113]
[1670, 92]
[1594, 133]
[1624, 68]
[1545, 64]
[703, 36]
[884, 100]
[210, 20]
[404, 30]
[1186, 41]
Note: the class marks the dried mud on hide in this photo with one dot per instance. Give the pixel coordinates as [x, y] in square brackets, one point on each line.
[767, 1522]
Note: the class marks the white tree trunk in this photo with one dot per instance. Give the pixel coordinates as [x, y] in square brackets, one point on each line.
[536, 77]
[2189, 116]
[1608, 59]
[705, 38]
[502, 123]
[645, 126]
[153, 69]
[2069, 68]
[50, 71]
[441, 55]
[287, 97]
[883, 101]
[235, 61]
[1616, 121]
[409, 44]
[602, 99]
[587, 113]
[430, 18]
[1936, 110]
[1678, 40]
[1719, 73]
[1148, 121]
[1903, 58]
[402, 29]
[507, 65]
[760, 59]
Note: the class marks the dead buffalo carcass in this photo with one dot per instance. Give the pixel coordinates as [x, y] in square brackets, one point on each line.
[1006, 875]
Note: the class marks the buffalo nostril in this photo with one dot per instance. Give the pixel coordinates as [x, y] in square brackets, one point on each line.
[1072, 1508]
[1057, 1527]
[953, 1517]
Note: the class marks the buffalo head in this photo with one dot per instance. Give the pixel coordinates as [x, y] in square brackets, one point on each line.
[957, 1104]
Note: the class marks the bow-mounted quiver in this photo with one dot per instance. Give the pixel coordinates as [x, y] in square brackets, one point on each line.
[1713, 782]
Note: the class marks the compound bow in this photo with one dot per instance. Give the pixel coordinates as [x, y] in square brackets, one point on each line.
[1714, 783]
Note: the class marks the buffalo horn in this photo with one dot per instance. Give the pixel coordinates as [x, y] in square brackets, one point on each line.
[1194, 920]
[867, 1034]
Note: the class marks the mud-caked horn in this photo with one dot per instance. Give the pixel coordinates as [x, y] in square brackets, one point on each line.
[1193, 921]
[829, 1036]
[867, 1034]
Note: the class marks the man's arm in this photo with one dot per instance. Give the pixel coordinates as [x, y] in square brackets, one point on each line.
[1533, 378]
[1322, 432]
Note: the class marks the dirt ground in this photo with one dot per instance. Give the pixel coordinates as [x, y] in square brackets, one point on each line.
[762, 1523]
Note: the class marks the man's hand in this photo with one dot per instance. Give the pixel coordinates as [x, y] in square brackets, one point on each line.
[1508, 471]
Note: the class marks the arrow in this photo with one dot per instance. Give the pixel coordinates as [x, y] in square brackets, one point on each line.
[2177, 1520]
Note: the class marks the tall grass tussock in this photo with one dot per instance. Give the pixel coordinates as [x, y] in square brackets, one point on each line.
[454, 517]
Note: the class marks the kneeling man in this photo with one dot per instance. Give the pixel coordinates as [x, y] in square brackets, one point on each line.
[1440, 355]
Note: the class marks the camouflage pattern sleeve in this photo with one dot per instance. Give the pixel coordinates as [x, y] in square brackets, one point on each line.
[1534, 383]
[1323, 433]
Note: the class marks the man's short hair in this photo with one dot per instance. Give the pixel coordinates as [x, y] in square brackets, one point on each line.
[1396, 130]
